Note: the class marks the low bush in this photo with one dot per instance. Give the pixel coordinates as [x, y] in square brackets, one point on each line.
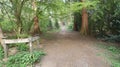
[113, 49]
[22, 47]
[116, 64]
[113, 38]
[7, 26]
[24, 59]
[112, 54]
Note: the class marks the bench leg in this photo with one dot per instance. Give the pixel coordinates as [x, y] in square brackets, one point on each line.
[30, 47]
[5, 50]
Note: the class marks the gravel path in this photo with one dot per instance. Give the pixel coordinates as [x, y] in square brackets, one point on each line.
[69, 49]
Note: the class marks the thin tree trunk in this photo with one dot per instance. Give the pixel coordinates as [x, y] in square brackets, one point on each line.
[84, 27]
[18, 5]
[36, 28]
[19, 23]
[75, 28]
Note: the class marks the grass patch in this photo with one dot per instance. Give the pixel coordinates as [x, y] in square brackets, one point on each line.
[22, 47]
[112, 53]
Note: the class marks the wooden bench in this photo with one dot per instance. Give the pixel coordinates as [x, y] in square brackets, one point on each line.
[5, 42]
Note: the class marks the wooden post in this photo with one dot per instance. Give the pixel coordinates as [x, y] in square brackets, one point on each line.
[5, 49]
[30, 44]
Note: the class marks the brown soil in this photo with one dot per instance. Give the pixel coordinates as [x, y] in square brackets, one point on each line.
[70, 49]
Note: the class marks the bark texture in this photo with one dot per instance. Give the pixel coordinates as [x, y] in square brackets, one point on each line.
[84, 27]
[36, 28]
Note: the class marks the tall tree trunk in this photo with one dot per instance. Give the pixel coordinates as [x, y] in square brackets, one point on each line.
[36, 28]
[84, 27]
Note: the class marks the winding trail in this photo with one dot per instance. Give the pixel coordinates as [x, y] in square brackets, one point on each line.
[70, 49]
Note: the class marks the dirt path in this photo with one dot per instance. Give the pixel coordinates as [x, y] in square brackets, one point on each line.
[69, 49]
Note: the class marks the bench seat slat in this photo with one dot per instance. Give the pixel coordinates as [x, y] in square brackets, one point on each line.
[10, 41]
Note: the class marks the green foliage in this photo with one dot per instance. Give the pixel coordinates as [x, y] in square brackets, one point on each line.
[44, 25]
[1, 64]
[22, 47]
[26, 25]
[18, 36]
[57, 25]
[116, 64]
[113, 38]
[77, 20]
[50, 25]
[114, 49]
[22, 35]
[76, 6]
[70, 26]
[112, 54]
[104, 20]
[25, 13]
[12, 37]
[24, 59]
[116, 56]
[1, 52]
[12, 45]
[7, 26]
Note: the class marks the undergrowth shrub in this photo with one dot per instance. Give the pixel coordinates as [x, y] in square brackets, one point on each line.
[24, 59]
[116, 56]
[22, 47]
[7, 26]
[114, 49]
[116, 64]
[12, 45]
[113, 38]
[113, 55]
